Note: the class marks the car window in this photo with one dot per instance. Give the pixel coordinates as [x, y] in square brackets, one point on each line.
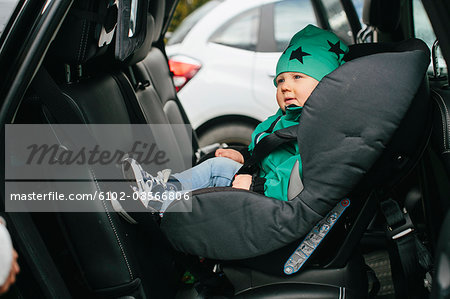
[337, 18]
[424, 31]
[289, 17]
[6, 9]
[241, 32]
[180, 33]
[359, 5]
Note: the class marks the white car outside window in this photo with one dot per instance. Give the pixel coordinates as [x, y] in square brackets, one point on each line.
[224, 64]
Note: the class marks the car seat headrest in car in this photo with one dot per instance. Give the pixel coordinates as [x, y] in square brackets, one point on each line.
[86, 32]
[140, 51]
[345, 127]
[90, 27]
[132, 36]
[382, 14]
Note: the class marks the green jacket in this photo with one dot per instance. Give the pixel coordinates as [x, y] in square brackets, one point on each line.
[277, 166]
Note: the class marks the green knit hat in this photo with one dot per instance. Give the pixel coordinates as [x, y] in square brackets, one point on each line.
[312, 51]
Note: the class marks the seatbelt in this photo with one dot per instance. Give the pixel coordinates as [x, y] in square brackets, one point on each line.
[410, 259]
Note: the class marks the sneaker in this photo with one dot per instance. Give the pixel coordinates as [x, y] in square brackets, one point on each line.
[150, 188]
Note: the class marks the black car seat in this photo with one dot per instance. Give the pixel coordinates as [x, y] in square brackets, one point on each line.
[253, 236]
[438, 157]
[154, 71]
[98, 253]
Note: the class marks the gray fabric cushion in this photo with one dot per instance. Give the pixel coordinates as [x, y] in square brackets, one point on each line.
[345, 126]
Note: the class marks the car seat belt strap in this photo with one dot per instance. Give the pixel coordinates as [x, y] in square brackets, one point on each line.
[268, 131]
[314, 238]
[414, 258]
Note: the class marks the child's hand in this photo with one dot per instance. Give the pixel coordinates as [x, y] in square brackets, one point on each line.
[242, 181]
[230, 154]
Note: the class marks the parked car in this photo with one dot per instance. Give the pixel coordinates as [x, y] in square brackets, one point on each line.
[223, 57]
[101, 64]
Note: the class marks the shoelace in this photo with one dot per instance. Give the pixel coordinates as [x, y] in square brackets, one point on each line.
[148, 178]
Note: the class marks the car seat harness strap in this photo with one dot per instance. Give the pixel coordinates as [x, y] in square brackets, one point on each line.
[267, 145]
[314, 238]
[269, 130]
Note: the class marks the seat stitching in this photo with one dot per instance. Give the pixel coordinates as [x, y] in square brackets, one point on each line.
[445, 120]
[103, 202]
[114, 228]
[81, 42]
[86, 40]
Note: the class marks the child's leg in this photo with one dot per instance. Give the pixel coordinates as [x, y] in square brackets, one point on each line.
[214, 172]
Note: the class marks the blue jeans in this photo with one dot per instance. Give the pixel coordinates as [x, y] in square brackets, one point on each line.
[214, 172]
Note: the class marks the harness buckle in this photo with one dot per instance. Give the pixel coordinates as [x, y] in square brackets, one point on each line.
[401, 230]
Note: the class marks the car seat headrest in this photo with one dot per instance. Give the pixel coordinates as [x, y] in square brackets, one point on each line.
[382, 14]
[132, 36]
[90, 27]
[136, 51]
[86, 33]
[347, 124]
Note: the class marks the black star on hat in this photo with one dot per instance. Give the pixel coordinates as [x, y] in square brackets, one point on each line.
[335, 48]
[298, 54]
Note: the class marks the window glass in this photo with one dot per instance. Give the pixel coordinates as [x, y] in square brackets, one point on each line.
[241, 32]
[6, 9]
[359, 5]
[291, 16]
[424, 31]
[337, 18]
[180, 33]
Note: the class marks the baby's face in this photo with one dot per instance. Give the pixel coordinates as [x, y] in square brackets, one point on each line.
[294, 89]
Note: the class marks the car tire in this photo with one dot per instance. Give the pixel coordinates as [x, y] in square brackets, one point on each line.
[231, 134]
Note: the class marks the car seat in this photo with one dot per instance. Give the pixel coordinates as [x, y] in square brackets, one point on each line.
[98, 253]
[362, 130]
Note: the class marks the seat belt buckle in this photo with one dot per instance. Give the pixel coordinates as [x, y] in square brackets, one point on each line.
[402, 230]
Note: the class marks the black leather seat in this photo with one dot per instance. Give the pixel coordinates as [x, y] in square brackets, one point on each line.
[441, 134]
[100, 254]
[153, 72]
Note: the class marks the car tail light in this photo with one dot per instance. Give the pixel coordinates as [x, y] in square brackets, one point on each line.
[183, 69]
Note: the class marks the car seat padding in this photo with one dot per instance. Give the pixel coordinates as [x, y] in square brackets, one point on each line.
[344, 128]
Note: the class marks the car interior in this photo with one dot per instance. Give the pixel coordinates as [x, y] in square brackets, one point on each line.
[103, 62]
